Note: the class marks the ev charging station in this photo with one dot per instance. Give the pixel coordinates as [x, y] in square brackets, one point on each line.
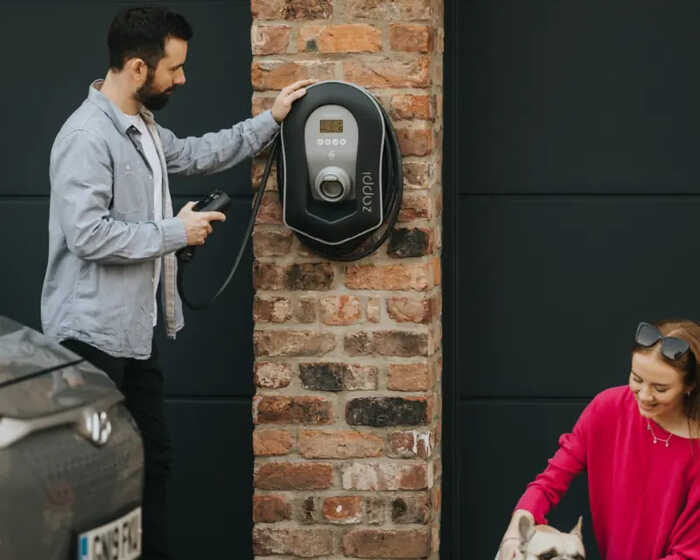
[339, 171]
[339, 177]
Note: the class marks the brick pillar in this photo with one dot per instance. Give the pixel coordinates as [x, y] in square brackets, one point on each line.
[348, 365]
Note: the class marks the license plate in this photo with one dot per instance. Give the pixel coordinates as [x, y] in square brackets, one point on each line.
[117, 540]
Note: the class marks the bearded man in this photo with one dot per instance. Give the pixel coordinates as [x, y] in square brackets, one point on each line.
[112, 232]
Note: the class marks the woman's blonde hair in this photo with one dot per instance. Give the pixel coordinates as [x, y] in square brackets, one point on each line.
[688, 365]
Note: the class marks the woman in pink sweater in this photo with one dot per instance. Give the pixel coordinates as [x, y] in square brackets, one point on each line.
[640, 446]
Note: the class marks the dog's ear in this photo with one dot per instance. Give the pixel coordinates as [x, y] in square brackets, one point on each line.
[526, 527]
[577, 528]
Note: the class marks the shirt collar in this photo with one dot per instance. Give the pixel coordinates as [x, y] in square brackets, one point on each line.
[118, 117]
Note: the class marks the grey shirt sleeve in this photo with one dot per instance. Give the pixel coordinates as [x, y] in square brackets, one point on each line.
[216, 151]
[81, 183]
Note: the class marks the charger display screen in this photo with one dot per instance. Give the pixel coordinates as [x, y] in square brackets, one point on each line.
[331, 125]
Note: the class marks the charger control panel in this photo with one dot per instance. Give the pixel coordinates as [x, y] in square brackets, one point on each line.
[331, 137]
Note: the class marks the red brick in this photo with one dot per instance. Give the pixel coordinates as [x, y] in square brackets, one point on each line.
[309, 276]
[276, 74]
[435, 535]
[308, 510]
[410, 444]
[390, 10]
[404, 276]
[395, 72]
[401, 343]
[385, 476]
[306, 543]
[409, 106]
[267, 9]
[347, 38]
[305, 309]
[292, 343]
[270, 509]
[269, 39]
[340, 310]
[437, 498]
[271, 309]
[360, 378]
[293, 476]
[415, 141]
[374, 309]
[410, 242]
[268, 276]
[415, 205]
[409, 377]
[291, 410]
[384, 543]
[259, 105]
[306, 9]
[410, 310]
[270, 210]
[272, 243]
[358, 343]
[328, 376]
[343, 509]
[302, 276]
[271, 442]
[417, 174]
[409, 37]
[316, 444]
[382, 411]
[387, 343]
[272, 375]
[411, 508]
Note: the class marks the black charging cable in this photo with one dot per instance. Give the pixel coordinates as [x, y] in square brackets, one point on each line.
[183, 260]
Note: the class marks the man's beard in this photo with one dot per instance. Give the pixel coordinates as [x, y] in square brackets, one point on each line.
[151, 100]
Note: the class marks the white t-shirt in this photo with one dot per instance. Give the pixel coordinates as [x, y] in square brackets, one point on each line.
[149, 149]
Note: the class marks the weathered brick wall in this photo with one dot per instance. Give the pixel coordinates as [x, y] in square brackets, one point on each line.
[348, 356]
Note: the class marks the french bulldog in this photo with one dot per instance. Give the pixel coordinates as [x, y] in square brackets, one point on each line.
[542, 542]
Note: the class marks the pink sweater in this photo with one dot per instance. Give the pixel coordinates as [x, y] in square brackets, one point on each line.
[644, 498]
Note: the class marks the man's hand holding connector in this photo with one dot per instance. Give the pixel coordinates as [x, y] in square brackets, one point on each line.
[197, 224]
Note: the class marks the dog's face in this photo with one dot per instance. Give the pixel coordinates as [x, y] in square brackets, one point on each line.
[542, 542]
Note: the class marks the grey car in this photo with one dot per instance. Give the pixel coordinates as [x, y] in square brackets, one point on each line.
[71, 457]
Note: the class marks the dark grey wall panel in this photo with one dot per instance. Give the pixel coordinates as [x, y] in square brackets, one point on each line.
[505, 444]
[552, 288]
[49, 75]
[218, 91]
[212, 485]
[24, 229]
[213, 354]
[592, 96]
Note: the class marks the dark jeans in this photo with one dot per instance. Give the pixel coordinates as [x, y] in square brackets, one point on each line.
[141, 382]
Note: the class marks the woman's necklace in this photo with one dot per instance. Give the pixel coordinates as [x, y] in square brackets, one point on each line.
[653, 435]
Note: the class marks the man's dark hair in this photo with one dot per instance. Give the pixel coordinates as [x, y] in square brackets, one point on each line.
[141, 32]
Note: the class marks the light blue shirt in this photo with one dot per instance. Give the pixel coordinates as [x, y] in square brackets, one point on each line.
[102, 235]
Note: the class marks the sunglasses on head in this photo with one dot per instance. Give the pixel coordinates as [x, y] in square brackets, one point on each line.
[672, 347]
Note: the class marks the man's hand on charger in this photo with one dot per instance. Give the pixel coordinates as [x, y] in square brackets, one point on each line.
[287, 96]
